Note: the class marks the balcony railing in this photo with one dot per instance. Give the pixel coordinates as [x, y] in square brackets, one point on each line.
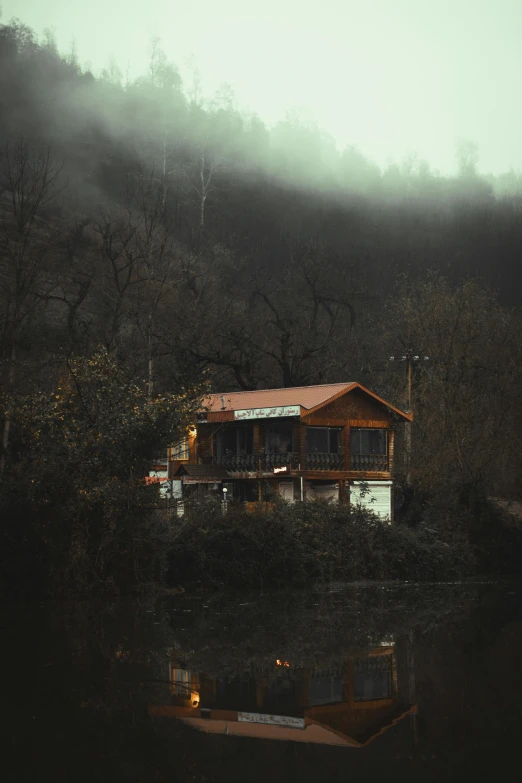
[160, 457]
[319, 461]
[371, 463]
[263, 463]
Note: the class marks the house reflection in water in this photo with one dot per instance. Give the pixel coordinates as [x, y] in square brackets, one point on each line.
[348, 705]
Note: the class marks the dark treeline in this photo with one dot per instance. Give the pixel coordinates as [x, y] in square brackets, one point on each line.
[182, 243]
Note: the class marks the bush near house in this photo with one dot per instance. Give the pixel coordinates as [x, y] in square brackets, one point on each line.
[295, 544]
[77, 514]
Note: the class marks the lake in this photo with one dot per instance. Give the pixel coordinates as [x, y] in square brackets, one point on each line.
[352, 682]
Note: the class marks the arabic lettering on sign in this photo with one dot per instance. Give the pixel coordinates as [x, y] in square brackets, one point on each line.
[200, 480]
[274, 720]
[267, 413]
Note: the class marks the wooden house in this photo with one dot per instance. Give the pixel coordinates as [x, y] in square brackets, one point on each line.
[333, 442]
[348, 704]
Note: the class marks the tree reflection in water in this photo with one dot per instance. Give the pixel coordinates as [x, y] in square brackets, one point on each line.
[381, 680]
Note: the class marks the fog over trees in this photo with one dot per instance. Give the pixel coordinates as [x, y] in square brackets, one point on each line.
[184, 237]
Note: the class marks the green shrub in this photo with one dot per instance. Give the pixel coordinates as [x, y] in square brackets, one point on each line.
[302, 543]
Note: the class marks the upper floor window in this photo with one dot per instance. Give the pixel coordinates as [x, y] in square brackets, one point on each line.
[323, 440]
[278, 437]
[180, 450]
[368, 441]
[232, 440]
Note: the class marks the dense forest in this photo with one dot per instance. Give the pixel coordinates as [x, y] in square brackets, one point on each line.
[169, 243]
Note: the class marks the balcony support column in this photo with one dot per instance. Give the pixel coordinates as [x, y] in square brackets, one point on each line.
[298, 439]
[345, 447]
[256, 438]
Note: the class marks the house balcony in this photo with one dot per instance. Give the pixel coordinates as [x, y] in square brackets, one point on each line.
[257, 463]
[320, 461]
[370, 463]
[266, 463]
[316, 461]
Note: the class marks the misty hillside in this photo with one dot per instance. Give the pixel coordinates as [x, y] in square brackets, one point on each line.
[180, 230]
[264, 190]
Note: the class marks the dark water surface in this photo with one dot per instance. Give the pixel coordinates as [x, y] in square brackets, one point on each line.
[356, 682]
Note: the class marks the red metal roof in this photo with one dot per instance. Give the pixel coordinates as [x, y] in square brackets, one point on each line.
[305, 396]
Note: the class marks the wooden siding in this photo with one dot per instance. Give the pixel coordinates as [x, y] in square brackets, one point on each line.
[257, 437]
[373, 424]
[354, 405]
[316, 420]
[193, 446]
[205, 441]
[219, 416]
[338, 475]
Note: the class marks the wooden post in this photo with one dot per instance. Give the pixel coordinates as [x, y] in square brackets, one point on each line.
[302, 445]
[349, 674]
[408, 383]
[256, 438]
[407, 450]
[407, 425]
[296, 440]
[345, 441]
[391, 449]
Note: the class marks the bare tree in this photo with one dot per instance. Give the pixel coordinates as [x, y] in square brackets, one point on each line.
[29, 181]
[206, 170]
[466, 396]
[155, 267]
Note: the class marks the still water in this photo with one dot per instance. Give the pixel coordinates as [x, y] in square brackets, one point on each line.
[353, 682]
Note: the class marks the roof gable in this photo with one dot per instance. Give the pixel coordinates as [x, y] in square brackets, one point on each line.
[309, 398]
[355, 385]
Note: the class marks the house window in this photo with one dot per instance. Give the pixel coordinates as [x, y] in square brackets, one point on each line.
[372, 678]
[180, 682]
[368, 441]
[326, 690]
[180, 450]
[234, 441]
[323, 440]
[278, 437]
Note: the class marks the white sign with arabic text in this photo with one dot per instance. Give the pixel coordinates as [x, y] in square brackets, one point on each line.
[268, 413]
[274, 720]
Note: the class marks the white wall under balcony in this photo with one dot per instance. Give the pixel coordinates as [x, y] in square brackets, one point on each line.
[374, 495]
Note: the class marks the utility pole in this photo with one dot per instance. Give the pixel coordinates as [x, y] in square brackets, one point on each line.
[410, 358]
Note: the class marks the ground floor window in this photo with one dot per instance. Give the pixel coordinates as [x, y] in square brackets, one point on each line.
[322, 490]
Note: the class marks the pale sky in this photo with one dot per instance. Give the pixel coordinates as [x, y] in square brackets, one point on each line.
[390, 76]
